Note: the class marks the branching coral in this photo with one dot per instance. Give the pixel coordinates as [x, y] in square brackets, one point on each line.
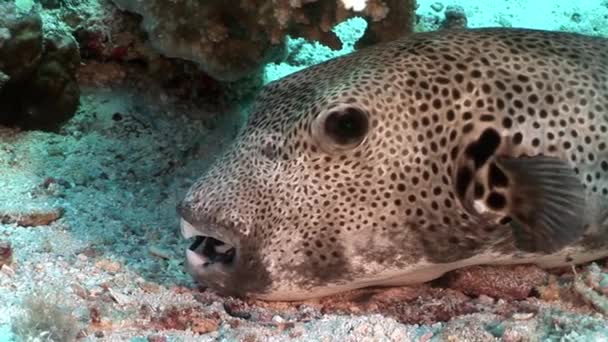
[228, 42]
[233, 41]
[389, 19]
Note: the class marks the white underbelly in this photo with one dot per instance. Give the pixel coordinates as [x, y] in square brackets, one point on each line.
[425, 271]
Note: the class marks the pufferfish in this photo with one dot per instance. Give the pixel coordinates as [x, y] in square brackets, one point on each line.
[403, 161]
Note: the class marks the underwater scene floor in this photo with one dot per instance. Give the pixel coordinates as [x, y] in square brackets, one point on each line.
[90, 247]
[96, 253]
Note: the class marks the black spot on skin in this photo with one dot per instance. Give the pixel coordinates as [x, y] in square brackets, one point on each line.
[450, 115]
[479, 190]
[505, 220]
[518, 138]
[497, 177]
[481, 150]
[496, 201]
[467, 128]
[463, 179]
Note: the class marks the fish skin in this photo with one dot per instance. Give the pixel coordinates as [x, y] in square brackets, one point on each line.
[377, 168]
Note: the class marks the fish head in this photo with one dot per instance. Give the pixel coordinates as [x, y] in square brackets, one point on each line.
[304, 198]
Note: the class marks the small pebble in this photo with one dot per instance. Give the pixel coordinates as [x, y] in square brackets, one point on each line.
[108, 265]
[117, 116]
[497, 329]
[523, 316]
[205, 326]
[7, 270]
[34, 218]
[484, 299]
[119, 297]
[150, 287]
[159, 252]
[80, 291]
[157, 338]
[6, 253]
[55, 150]
[236, 309]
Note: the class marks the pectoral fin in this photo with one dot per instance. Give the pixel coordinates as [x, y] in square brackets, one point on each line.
[545, 200]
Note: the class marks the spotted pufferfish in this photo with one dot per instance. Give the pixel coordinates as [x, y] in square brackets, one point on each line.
[403, 161]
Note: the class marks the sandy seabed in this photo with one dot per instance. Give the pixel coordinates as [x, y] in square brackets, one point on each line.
[90, 214]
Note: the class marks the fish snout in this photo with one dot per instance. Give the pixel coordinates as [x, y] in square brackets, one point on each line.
[222, 255]
[210, 260]
[213, 252]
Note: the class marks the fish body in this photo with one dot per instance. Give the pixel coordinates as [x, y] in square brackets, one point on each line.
[402, 161]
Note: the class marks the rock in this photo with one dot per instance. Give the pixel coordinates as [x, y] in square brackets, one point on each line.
[455, 18]
[21, 48]
[54, 92]
[39, 88]
[32, 218]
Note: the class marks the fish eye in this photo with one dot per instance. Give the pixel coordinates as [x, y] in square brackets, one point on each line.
[342, 127]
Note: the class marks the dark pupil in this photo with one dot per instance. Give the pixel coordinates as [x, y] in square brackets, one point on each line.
[347, 126]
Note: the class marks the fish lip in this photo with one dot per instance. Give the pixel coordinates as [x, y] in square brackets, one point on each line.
[195, 260]
[208, 228]
[198, 260]
[188, 231]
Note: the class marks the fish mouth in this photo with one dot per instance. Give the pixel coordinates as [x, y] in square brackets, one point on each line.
[207, 251]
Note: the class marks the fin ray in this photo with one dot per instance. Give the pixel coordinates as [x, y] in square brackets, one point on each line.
[546, 201]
